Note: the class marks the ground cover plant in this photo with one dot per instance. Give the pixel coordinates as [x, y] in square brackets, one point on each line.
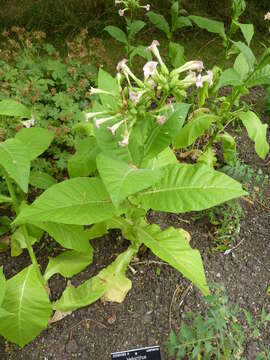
[128, 143]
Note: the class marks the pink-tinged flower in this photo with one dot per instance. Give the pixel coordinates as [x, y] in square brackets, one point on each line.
[135, 96]
[92, 114]
[150, 69]
[161, 119]
[115, 127]
[154, 44]
[199, 81]
[121, 12]
[195, 65]
[267, 16]
[99, 122]
[120, 65]
[151, 83]
[148, 7]
[210, 77]
[125, 140]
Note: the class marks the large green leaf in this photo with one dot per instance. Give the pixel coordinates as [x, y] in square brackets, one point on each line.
[117, 33]
[194, 128]
[69, 236]
[79, 201]
[171, 246]
[37, 140]
[18, 242]
[212, 26]
[107, 83]
[83, 163]
[241, 67]
[162, 135]
[247, 52]
[41, 180]
[9, 107]
[68, 264]
[135, 27]
[181, 21]
[116, 283]
[28, 304]
[230, 77]
[14, 157]
[259, 77]
[256, 131]
[122, 180]
[177, 54]
[247, 31]
[83, 295]
[186, 188]
[2, 285]
[160, 22]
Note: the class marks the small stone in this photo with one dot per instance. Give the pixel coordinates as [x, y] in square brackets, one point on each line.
[71, 346]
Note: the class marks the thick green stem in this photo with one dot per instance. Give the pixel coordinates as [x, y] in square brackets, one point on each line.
[16, 206]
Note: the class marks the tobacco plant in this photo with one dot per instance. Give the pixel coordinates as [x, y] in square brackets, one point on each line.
[123, 166]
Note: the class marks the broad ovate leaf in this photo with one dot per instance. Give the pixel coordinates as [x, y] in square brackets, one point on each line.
[187, 187]
[9, 107]
[259, 77]
[117, 34]
[15, 159]
[193, 129]
[116, 283]
[172, 246]
[28, 306]
[122, 179]
[212, 26]
[68, 264]
[79, 201]
[69, 236]
[81, 296]
[37, 140]
[160, 22]
[256, 131]
[230, 77]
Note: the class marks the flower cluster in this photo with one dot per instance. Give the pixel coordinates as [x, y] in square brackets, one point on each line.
[130, 5]
[267, 16]
[151, 98]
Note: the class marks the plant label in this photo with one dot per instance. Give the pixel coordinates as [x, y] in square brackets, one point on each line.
[149, 353]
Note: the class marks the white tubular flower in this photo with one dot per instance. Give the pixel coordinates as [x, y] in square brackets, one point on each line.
[151, 83]
[94, 91]
[150, 69]
[125, 140]
[121, 12]
[135, 96]
[120, 65]
[199, 81]
[115, 127]
[116, 2]
[161, 119]
[209, 77]
[148, 7]
[189, 80]
[154, 49]
[195, 65]
[98, 122]
[267, 16]
[91, 115]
